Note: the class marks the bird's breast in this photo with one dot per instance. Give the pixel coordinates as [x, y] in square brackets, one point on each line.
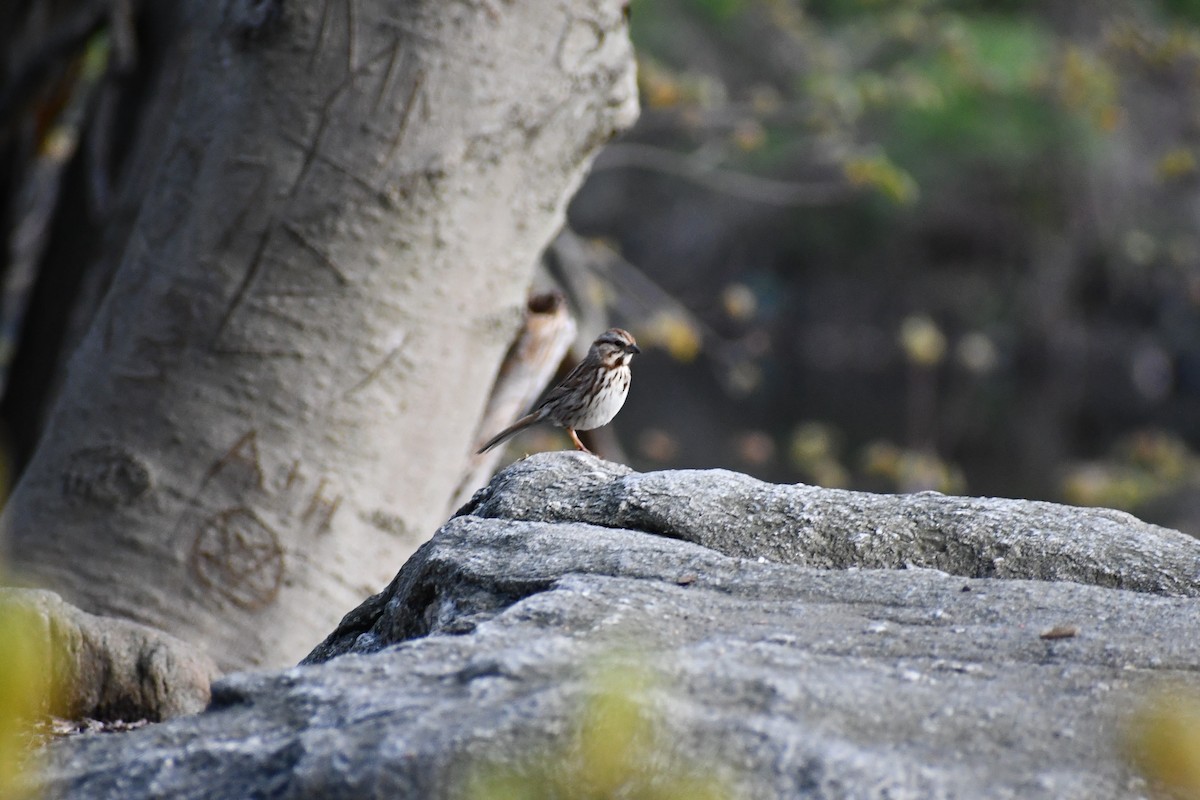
[607, 401]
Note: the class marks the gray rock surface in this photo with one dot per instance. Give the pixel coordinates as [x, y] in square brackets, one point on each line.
[740, 516]
[112, 669]
[769, 679]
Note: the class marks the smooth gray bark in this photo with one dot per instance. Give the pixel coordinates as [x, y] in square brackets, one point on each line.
[276, 398]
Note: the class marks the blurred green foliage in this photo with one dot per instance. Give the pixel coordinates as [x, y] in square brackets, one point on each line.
[900, 93]
[616, 750]
[25, 685]
[26, 679]
[1187, 10]
[719, 10]
[1162, 740]
[1139, 469]
[932, 82]
[1022, 175]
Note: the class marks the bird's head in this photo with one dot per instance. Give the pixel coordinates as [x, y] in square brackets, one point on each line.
[615, 347]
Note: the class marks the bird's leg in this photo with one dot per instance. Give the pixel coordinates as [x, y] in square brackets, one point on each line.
[578, 444]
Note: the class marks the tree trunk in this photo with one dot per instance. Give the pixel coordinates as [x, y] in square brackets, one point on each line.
[277, 396]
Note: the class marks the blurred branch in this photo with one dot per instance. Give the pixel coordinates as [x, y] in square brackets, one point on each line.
[730, 182]
[725, 119]
[39, 188]
[528, 367]
[122, 60]
[29, 79]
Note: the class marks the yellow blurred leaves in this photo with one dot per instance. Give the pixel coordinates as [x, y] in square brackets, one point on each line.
[879, 173]
[613, 734]
[1176, 164]
[674, 332]
[749, 135]
[1142, 467]
[25, 686]
[739, 302]
[618, 750]
[59, 143]
[815, 450]
[922, 340]
[1158, 48]
[1163, 742]
[912, 470]
[26, 677]
[661, 87]
[1088, 86]
[60, 116]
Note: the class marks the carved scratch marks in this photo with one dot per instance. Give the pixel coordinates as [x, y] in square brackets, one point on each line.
[239, 295]
[351, 34]
[375, 371]
[390, 63]
[342, 102]
[328, 160]
[160, 339]
[409, 105]
[281, 293]
[389, 76]
[293, 260]
[311, 246]
[322, 34]
[236, 551]
[315, 141]
[174, 204]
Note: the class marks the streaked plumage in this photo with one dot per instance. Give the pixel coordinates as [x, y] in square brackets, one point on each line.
[591, 394]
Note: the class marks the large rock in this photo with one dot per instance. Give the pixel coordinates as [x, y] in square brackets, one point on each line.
[740, 516]
[766, 679]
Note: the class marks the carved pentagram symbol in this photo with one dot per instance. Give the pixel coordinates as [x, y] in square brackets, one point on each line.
[238, 555]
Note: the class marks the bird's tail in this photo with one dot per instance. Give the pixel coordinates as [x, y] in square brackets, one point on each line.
[520, 425]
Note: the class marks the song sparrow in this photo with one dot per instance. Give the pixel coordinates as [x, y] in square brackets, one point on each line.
[590, 395]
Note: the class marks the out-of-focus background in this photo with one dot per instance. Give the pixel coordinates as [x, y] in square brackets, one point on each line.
[910, 245]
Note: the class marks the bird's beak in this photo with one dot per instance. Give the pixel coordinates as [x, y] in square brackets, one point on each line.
[633, 348]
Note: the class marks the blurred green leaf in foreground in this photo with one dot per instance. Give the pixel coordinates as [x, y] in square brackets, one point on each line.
[1163, 741]
[25, 685]
[616, 749]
